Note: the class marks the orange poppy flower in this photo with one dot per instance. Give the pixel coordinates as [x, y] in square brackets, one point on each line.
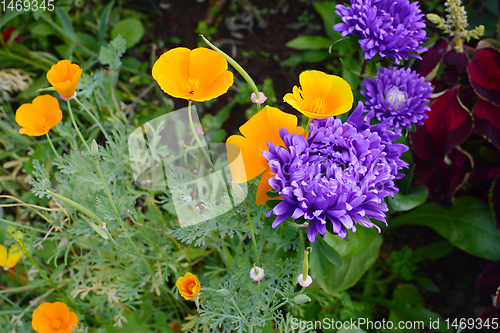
[38, 117]
[9, 260]
[188, 286]
[197, 75]
[262, 128]
[321, 95]
[64, 76]
[54, 318]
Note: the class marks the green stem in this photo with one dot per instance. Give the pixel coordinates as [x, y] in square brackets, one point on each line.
[308, 123]
[97, 122]
[76, 127]
[52, 146]
[23, 59]
[118, 216]
[22, 226]
[236, 66]
[237, 309]
[252, 233]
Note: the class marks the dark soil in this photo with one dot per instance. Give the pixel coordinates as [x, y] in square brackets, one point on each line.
[455, 274]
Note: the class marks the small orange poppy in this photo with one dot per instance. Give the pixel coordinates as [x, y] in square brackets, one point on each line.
[321, 95]
[262, 128]
[10, 259]
[188, 285]
[54, 318]
[38, 117]
[64, 76]
[198, 75]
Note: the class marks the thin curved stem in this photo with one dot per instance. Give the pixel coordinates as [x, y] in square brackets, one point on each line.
[76, 127]
[52, 146]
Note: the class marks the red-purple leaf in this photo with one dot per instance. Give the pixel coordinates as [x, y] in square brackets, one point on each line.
[487, 287]
[432, 58]
[449, 124]
[456, 60]
[443, 176]
[487, 121]
[484, 74]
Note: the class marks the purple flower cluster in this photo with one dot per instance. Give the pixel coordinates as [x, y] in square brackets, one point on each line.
[392, 28]
[397, 97]
[337, 177]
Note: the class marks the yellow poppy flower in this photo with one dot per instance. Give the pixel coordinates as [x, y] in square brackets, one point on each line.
[321, 95]
[262, 128]
[188, 286]
[197, 75]
[64, 77]
[38, 117]
[54, 318]
[9, 260]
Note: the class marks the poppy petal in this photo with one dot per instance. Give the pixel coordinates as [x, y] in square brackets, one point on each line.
[3, 256]
[264, 127]
[198, 68]
[174, 66]
[15, 254]
[264, 187]
[218, 87]
[315, 84]
[253, 161]
[58, 311]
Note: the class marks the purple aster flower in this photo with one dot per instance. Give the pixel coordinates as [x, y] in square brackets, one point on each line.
[397, 97]
[392, 28]
[335, 179]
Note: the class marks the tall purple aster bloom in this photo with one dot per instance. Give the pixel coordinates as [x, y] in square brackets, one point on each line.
[392, 28]
[397, 97]
[335, 179]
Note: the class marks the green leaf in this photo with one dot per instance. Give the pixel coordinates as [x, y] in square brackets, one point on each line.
[326, 9]
[9, 16]
[66, 23]
[329, 252]
[111, 54]
[404, 202]
[332, 278]
[431, 251]
[131, 28]
[309, 43]
[104, 23]
[405, 293]
[307, 57]
[426, 283]
[469, 225]
[358, 241]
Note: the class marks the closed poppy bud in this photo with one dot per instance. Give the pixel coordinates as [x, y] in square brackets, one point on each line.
[301, 299]
[64, 77]
[54, 318]
[38, 117]
[10, 259]
[320, 95]
[198, 75]
[188, 286]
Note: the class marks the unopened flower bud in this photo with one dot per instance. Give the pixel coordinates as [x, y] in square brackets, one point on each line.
[262, 98]
[223, 292]
[256, 273]
[94, 149]
[301, 299]
[304, 283]
[237, 190]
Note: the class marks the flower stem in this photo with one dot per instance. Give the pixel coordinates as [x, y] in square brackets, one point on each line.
[97, 122]
[76, 127]
[52, 146]
[118, 216]
[252, 233]
[236, 66]
[362, 73]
